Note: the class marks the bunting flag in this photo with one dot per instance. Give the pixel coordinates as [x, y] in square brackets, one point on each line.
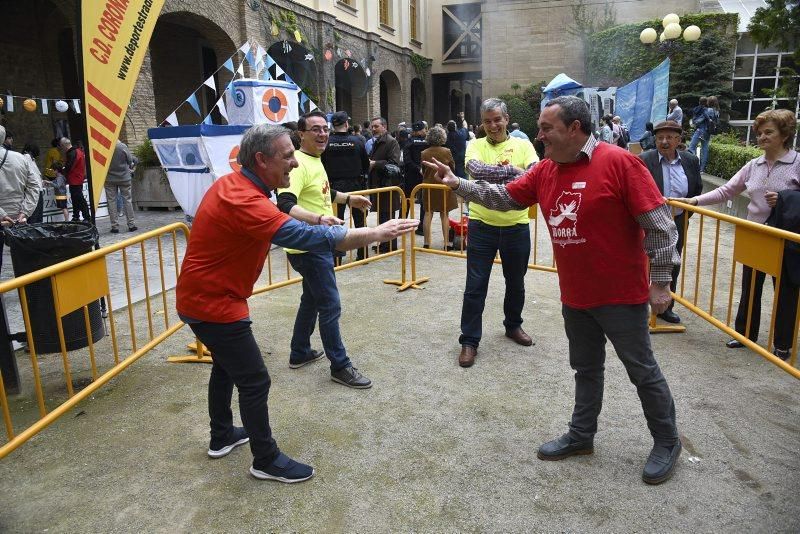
[278, 72]
[76, 105]
[221, 107]
[172, 119]
[250, 59]
[266, 75]
[229, 64]
[192, 100]
[45, 109]
[270, 61]
[210, 83]
[240, 70]
[43, 103]
[245, 48]
[286, 78]
[208, 120]
[313, 106]
[10, 103]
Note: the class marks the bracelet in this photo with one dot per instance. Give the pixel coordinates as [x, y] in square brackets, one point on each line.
[319, 219]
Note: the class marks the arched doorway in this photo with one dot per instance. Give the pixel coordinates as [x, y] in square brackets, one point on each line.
[298, 62]
[351, 89]
[186, 49]
[417, 100]
[390, 91]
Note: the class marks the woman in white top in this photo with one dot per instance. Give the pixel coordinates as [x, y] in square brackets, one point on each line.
[763, 177]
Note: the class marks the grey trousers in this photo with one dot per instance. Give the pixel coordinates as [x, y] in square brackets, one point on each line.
[124, 189]
[627, 329]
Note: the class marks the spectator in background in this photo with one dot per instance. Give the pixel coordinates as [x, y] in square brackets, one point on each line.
[675, 112]
[607, 130]
[457, 144]
[384, 171]
[700, 123]
[31, 151]
[412, 164]
[52, 155]
[648, 140]
[8, 144]
[75, 170]
[357, 133]
[118, 182]
[434, 200]
[514, 131]
[294, 135]
[59, 185]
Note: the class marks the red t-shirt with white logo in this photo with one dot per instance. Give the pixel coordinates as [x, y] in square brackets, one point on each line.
[590, 207]
[229, 242]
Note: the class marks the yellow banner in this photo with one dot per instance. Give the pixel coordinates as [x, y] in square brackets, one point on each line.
[115, 36]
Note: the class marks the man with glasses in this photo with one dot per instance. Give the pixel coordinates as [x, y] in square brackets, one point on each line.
[385, 152]
[677, 175]
[309, 198]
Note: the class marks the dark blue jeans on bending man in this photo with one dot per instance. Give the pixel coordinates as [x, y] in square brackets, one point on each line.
[320, 298]
[483, 243]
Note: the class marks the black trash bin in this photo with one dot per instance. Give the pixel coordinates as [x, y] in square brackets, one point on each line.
[35, 246]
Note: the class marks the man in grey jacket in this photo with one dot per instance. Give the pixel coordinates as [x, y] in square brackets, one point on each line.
[20, 183]
[118, 181]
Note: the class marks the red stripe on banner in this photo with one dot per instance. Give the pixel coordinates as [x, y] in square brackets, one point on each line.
[103, 99]
[100, 138]
[98, 157]
[102, 119]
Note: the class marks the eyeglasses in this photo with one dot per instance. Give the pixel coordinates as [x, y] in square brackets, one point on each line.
[318, 130]
[662, 138]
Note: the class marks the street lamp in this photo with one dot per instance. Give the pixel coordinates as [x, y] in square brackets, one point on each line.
[672, 30]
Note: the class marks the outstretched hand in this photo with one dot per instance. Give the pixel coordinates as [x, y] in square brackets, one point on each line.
[360, 202]
[443, 173]
[330, 220]
[394, 228]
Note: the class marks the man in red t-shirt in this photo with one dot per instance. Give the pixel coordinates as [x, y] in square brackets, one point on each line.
[231, 236]
[75, 171]
[601, 206]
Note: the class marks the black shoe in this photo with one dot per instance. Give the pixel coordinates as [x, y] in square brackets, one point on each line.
[669, 316]
[115, 230]
[783, 354]
[132, 228]
[283, 469]
[661, 463]
[239, 437]
[734, 344]
[350, 377]
[313, 356]
[564, 447]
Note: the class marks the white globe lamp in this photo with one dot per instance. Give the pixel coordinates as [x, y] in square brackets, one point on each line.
[673, 30]
[648, 36]
[669, 19]
[691, 33]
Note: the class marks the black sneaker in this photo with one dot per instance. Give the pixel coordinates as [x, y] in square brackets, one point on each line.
[239, 437]
[115, 230]
[313, 356]
[350, 377]
[283, 469]
[783, 354]
[133, 228]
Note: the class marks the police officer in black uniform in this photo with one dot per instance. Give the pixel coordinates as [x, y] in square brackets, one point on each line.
[347, 163]
[412, 163]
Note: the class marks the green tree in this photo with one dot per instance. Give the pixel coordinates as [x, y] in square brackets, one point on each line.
[705, 70]
[519, 111]
[778, 23]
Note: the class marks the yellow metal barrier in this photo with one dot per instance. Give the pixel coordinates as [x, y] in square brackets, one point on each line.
[77, 284]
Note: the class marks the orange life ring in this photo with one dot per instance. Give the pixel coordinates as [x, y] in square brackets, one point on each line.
[232, 159]
[274, 105]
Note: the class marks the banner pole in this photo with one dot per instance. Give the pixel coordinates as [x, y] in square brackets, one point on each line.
[82, 119]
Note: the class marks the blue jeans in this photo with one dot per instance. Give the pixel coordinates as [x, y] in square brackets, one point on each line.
[483, 243]
[700, 135]
[627, 328]
[320, 297]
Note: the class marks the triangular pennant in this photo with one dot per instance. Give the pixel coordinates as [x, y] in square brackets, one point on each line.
[222, 110]
[313, 106]
[229, 64]
[10, 103]
[172, 119]
[286, 78]
[240, 70]
[208, 120]
[266, 75]
[251, 60]
[45, 109]
[278, 72]
[303, 99]
[210, 83]
[192, 100]
[245, 48]
[270, 61]
[261, 53]
[76, 105]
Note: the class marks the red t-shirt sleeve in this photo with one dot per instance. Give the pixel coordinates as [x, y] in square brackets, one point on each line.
[523, 190]
[258, 217]
[640, 191]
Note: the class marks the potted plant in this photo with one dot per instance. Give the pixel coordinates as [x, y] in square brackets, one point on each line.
[150, 184]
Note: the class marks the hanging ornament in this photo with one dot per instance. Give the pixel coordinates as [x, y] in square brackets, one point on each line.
[348, 53]
[61, 106]
[328, 55]
[346, 64]
[286, 47]
[367, 72]
[297, 36]
[338, 52]
[274, 29]
[354, 65]
[309, 57]
[29, 104]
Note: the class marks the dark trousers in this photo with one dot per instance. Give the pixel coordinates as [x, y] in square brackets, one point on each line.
[345, 186]
[79, 205]
[626, 326]
[237, 361]
[483, 243]
[676, 270]
[38, 212]
[786, 314]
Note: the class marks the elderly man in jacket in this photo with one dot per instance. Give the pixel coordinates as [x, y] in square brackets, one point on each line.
[385, 151]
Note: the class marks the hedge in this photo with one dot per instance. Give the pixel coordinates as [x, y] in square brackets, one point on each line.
[519, 111]
[726, 160]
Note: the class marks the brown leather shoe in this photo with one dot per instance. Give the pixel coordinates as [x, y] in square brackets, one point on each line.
[467, 356]
[520, 337]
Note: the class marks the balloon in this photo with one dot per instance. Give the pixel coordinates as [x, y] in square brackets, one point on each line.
[61, 106]
[691, 33]
[648, 36]
[29, 104]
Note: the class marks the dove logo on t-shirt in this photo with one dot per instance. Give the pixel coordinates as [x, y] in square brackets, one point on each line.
[563, 220]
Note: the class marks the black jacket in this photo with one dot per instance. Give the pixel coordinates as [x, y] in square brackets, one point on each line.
[345, 157]
[690, 164]
[786, 216]
[412, 161]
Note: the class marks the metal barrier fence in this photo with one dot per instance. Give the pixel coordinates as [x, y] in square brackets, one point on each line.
[704, 275]
[76, 285]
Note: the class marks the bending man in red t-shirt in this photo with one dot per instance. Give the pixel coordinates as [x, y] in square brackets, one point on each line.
[231, 236]
[600, 205]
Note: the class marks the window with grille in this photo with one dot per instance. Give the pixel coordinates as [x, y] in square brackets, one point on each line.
[384, 6]
[412, 8]
[461, 32]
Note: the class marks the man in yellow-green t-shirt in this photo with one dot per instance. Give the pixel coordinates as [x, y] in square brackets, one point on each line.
[493, 231]
[309, 198]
